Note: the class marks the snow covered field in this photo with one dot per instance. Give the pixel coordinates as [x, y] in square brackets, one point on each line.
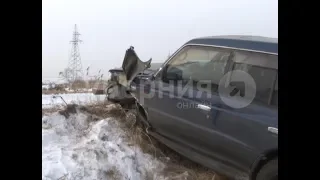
[79, 98]
[79, 148]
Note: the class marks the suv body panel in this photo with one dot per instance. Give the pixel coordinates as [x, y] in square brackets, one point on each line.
[234, 138]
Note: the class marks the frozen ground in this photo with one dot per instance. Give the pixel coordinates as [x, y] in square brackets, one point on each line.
[79, 98]
[79, 148]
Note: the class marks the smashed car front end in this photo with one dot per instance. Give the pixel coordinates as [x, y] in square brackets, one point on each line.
[133, 69]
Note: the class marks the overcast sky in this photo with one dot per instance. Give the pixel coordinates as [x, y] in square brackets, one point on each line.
[154, 28]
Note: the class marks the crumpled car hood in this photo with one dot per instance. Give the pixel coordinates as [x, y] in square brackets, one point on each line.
[132, 65]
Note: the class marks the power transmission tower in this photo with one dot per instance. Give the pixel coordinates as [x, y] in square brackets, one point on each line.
[75, 66]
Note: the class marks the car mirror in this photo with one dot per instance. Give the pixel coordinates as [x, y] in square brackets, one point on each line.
[172, 74]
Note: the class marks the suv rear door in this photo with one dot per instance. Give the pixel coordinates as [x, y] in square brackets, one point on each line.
[246, 128]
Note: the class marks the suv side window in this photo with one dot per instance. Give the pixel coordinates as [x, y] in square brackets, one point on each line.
[264, 69]
[199, 65]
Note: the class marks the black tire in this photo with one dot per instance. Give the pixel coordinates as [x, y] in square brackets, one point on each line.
[269, 171]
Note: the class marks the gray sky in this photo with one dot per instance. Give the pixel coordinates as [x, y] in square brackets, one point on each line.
[153, 27]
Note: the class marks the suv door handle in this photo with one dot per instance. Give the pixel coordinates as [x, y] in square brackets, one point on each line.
[203, 107]
[273, 130]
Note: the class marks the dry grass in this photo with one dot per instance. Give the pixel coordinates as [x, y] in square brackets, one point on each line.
[53, 91]
[79, 84]
[113, 173]
[49, 111]
[105, 110]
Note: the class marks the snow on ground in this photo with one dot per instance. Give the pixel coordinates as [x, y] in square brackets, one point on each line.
[79, 98]
[78, 148]
[45, 86]
[74, 148]
[79, 90]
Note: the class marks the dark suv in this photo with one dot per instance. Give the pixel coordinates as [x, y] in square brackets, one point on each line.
[215, 101]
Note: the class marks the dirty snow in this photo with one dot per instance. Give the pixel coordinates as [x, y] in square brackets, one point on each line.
[45, 86]
[78, 98]
[74, 148]
[78, 148]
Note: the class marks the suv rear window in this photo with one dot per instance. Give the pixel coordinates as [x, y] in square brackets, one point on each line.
[264, 69]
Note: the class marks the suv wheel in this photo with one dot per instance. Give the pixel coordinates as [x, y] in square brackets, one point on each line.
[269, 171]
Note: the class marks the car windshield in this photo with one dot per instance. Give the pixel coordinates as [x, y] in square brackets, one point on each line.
[199, 55]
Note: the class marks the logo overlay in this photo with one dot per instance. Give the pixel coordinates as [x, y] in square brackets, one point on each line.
[237, 89]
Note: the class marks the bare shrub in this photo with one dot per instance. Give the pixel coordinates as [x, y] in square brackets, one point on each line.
[78, 84]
